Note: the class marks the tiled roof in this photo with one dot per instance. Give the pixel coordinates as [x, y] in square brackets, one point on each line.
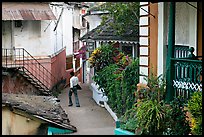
[107, 33]
[46, 108]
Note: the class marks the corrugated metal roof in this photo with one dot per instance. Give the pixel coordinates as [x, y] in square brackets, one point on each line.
[26, 11]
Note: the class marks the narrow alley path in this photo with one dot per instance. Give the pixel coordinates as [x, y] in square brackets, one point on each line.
[89, 119]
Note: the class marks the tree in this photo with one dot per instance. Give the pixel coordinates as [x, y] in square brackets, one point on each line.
[124, 14]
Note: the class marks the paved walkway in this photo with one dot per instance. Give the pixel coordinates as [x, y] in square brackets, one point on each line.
[89, 119]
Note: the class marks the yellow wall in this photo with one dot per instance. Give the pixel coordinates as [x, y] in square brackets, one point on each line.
[14, 124]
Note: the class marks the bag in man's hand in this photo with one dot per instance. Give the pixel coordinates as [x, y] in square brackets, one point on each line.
[78, 87]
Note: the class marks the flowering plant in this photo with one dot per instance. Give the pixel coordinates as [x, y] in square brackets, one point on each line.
[81, 53]
[102, 56]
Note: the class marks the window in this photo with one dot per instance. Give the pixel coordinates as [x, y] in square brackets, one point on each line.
[18, 23]
[127, 50]
[69, 63]
[77, 63]
[83, 22]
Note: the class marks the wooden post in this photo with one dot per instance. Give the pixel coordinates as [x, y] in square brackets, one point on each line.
[170, 54]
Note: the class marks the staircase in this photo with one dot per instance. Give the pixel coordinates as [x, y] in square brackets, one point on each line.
[20, 60]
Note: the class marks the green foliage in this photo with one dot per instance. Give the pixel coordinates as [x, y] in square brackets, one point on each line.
[155, 88]
[147, 116]
[151, 110]
[177, 120]
[106, 76]
[129, 83]
[151, 117]
[124, 14]
[129, 120]
[102, 56]
[119, 82]
[195, 108]
[195, 104]
[108, 80]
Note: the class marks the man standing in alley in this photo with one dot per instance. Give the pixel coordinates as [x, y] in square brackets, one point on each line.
[73, 89]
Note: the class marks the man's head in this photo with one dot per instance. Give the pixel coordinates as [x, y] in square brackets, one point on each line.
[72, 73]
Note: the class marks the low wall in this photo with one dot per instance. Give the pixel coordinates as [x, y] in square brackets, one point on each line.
[98, 96]
[102, 101]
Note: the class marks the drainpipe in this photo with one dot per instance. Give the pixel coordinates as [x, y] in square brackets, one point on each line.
[171, 42]
[12, 41]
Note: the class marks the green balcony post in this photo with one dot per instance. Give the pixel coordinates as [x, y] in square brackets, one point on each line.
[171, 42]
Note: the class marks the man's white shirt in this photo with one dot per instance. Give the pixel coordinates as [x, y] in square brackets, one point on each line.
[73, 81]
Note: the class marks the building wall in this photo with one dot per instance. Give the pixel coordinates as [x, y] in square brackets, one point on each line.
[94, 21]
[186, 24]
[67, 34]
[16, 83]
[154, 33]
[39, 37]
[58, 63]
[43, 42]
[77, 18]
[144, 37]
[153, 41]
[199, 52]
[14, 124]
[6, 34]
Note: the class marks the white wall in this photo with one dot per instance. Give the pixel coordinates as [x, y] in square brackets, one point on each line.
[67, 29]
[39, 37]
[62, 36]
[30, 37]
[161, 59]
[185, 29]
[76, 18]
[94, 21]
[186, 22]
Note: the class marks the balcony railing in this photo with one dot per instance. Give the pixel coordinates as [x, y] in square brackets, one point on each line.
[187, 76]
[21, 59]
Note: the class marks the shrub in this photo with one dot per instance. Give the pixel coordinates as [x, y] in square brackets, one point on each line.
[129, 120]
[151, 115]
[177, 120]
[109, 81]
[148, 115]
[119, 82]
[102, 56]
[195, 108]
[130, 78]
